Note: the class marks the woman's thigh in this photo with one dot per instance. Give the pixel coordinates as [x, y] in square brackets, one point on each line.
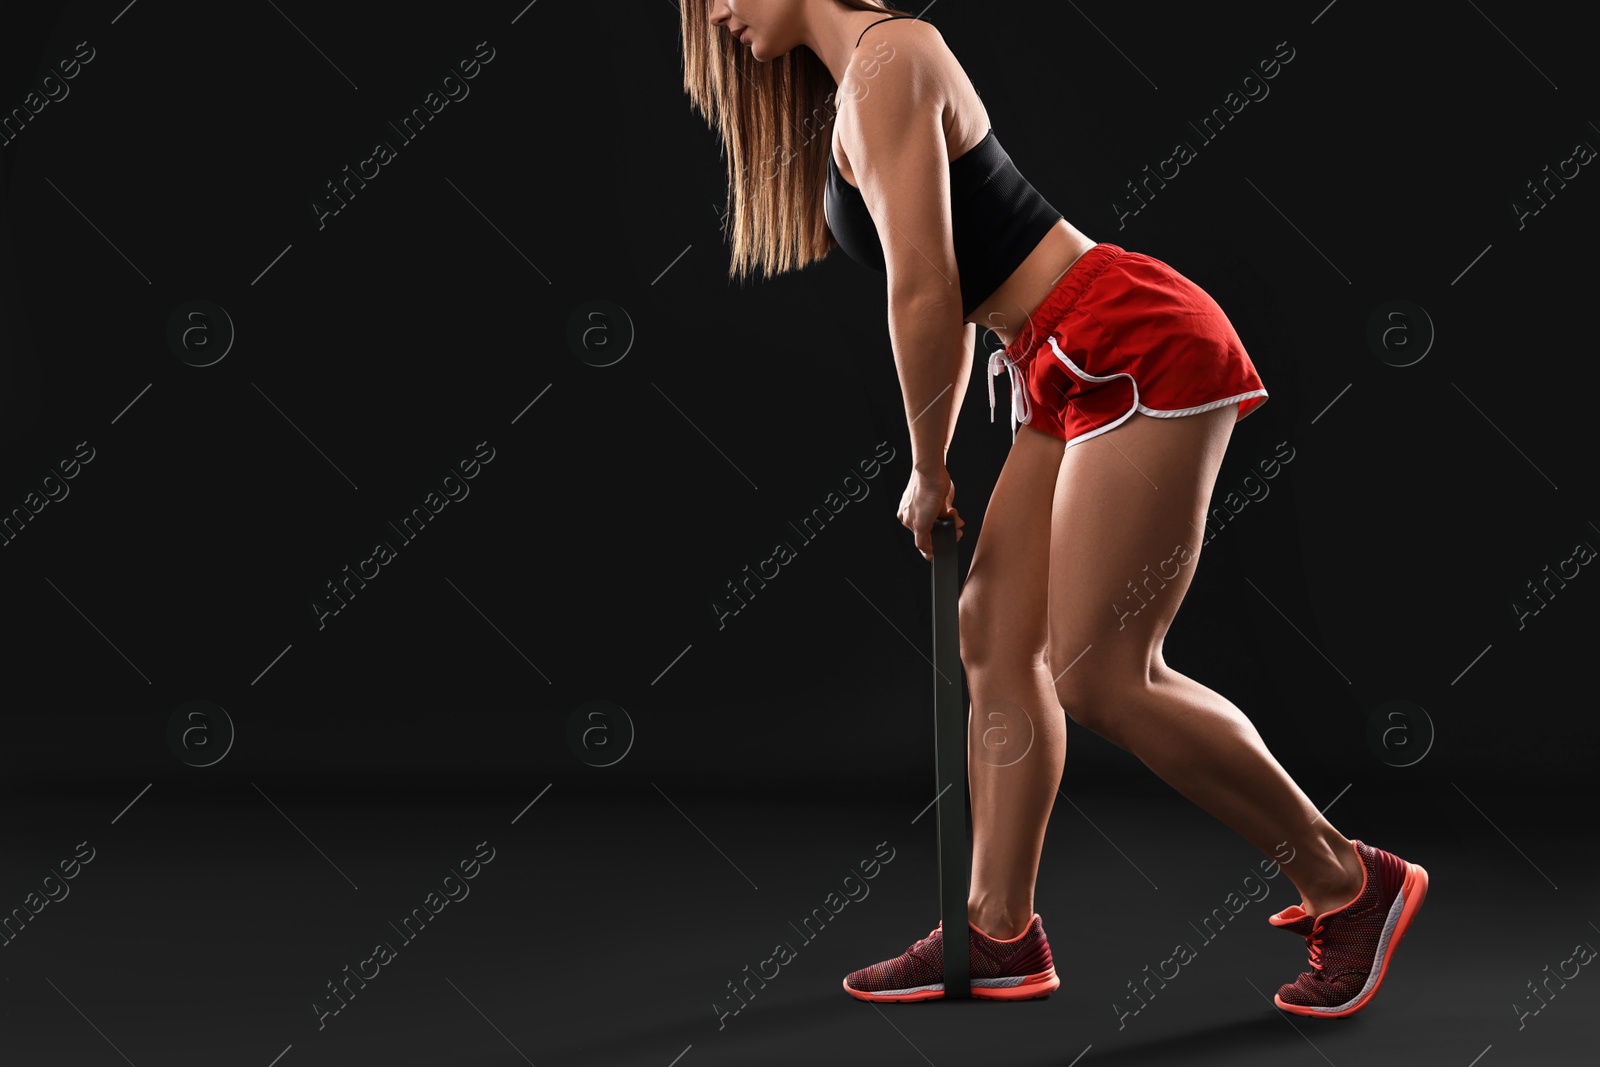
[1003, 598]
[1127, 523]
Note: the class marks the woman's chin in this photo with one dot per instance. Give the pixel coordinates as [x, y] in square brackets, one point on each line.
[758, 53]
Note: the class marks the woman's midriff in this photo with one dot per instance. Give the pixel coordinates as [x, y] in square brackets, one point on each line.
[1011, 304]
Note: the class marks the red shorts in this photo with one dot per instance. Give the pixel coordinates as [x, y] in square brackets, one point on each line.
[1122, 332]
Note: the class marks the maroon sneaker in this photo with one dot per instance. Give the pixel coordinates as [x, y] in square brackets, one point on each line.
[1351, 946]
[1018, 968]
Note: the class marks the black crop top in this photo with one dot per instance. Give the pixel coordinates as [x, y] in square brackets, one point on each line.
[996, 216]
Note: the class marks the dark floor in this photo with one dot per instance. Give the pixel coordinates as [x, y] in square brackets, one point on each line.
[606, 932]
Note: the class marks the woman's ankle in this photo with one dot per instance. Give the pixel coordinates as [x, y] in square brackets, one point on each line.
[1000, 923]
[1337, 883]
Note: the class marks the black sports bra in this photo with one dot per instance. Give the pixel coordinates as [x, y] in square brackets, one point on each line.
[996, 216]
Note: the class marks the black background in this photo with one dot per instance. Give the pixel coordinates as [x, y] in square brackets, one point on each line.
[381, 348]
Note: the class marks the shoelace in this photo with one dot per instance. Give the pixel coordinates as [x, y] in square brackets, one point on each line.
[1314, 944]
[924, 940]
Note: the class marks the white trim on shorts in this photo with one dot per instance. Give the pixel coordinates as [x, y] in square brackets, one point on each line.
[1160, 413]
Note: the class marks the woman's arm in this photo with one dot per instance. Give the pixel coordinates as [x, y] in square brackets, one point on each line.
[895, 141]
[933, 356]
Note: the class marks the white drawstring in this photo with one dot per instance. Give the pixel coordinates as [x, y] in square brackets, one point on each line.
[999, 362]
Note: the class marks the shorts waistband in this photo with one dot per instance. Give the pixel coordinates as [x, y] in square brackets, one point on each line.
[1062, 299]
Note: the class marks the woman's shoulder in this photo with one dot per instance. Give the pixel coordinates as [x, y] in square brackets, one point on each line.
[916, 44]
[907, 32]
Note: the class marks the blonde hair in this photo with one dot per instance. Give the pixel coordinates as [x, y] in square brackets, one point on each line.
[775, 120]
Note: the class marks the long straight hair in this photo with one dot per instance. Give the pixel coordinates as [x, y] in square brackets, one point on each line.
[776, 124]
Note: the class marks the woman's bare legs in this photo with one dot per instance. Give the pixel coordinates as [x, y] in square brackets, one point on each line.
[1017, 734]
[1128, 507]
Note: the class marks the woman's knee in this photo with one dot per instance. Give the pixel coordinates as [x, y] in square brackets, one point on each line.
[1097, 693]
[997, 637]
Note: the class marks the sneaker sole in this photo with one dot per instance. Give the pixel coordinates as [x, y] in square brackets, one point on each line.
[1031, 987]
[1405, 907]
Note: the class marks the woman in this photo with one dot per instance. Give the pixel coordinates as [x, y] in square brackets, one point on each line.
[1126, 379]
